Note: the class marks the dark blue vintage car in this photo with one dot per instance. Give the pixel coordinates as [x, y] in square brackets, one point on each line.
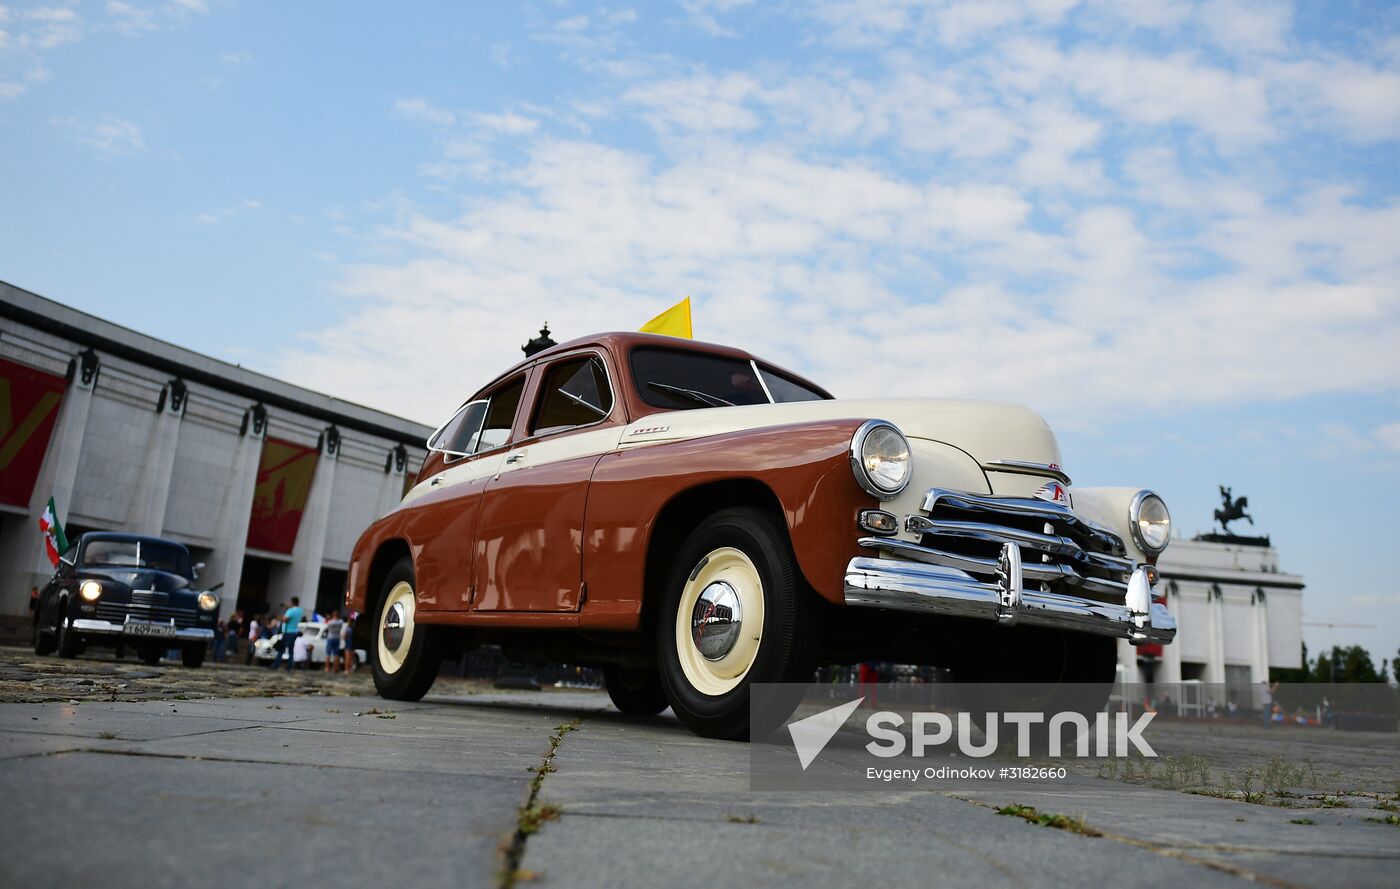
[125, 590]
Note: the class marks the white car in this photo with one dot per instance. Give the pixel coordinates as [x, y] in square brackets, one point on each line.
[265, 650]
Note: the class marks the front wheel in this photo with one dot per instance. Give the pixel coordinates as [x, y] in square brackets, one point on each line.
[65, 640]
[737, 611]
[43, 642]
[404, 655]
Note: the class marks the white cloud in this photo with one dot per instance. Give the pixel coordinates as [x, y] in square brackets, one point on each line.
[1101, 216]
[423, 110]
[1389, 435]
[108, 134]
[213, 217]
[509, 123]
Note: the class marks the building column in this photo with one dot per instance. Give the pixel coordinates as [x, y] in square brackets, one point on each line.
[23, 558]
[391, 486]
[231, 533]
[1170, 667]
[147, 513]
[1259, 672]
[1215, 663]
[303, 576]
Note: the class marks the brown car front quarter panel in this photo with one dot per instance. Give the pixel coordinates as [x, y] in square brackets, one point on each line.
[805, 470]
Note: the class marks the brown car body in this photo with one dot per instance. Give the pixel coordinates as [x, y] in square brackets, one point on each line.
[569, 545]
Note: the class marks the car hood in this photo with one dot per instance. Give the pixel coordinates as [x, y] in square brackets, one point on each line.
[985, 430]
[141, 579]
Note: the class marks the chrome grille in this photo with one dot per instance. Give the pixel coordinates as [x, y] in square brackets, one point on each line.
[116, 612]
[1060, 551]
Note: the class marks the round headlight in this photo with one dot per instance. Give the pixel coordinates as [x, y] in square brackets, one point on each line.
[1151, 523]
[208, 601]
[90, 590]
[880, 458]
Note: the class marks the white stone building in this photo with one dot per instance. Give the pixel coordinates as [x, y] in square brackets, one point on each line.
[269, 484]
[1237, 615]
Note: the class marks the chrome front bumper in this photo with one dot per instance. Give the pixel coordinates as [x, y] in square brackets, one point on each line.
[923, 588]
[107, 628]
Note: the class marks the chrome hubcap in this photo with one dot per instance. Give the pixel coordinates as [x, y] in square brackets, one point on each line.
[394, 622]
[716, 620]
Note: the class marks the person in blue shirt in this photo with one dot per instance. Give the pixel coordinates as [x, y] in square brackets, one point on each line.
[290, 620]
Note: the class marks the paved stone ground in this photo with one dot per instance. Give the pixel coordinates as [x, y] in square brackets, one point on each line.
[313, 790]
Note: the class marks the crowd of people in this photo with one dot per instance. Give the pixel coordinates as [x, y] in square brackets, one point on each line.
[291, 648]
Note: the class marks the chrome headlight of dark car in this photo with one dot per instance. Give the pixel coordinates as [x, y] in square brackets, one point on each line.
[208, 601]
[880, 459]
[1150, 522]
[90, 590]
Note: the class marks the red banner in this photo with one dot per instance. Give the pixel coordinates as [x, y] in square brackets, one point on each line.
[29, 401]
[284, 484]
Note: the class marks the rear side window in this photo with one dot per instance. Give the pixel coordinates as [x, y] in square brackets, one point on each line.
[575, 393]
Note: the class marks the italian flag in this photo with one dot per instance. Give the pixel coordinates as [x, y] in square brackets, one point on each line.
[55, 543]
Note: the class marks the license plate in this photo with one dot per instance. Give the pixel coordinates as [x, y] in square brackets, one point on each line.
[140, 629]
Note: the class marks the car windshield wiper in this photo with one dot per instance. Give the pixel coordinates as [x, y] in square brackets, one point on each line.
[585, 403]
[697, 397]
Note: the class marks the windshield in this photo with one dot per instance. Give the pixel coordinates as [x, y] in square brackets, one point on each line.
[150, 554]
[676, 380]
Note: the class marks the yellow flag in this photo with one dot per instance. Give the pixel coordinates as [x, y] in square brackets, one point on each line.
[675, 321]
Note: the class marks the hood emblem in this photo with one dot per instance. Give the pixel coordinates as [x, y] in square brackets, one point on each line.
[647, 430]
[1054, 492]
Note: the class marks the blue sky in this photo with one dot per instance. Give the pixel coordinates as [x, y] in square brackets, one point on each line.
[1171, 227]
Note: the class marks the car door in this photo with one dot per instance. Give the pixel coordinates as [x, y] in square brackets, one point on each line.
[530, 543]
[442, 523]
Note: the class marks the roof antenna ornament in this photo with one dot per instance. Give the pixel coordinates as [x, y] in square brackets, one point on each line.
[539, 343]
[1233, 509]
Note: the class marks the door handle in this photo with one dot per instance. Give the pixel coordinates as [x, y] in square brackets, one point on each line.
[516, 458]
[437, 480]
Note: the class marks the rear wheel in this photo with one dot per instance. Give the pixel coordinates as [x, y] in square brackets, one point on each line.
[1039, 670]
[737, 611]
[404, 655]
[637, 692]
[192, 656]
[150, 656]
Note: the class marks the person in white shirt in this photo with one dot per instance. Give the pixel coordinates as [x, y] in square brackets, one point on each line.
[301, 652]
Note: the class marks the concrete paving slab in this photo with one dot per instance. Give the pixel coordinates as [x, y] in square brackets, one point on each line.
[1337, 849]
[652, 805]
[96, 720]
[90, 819]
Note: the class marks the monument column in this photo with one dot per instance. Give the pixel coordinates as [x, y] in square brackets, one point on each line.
[1170, 666]
[1215, 664]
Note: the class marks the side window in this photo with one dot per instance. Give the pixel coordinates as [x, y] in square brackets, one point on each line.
[500, 415]
[784, 390]
[457, 435]
[575, 393]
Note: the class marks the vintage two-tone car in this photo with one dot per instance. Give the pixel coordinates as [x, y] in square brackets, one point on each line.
[125, 590]
[694, 519]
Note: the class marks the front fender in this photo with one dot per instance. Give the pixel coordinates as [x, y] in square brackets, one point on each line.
[805, 466]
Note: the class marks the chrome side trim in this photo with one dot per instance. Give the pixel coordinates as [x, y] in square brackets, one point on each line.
[922, 588]
[107, 628]
[1025, 467]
